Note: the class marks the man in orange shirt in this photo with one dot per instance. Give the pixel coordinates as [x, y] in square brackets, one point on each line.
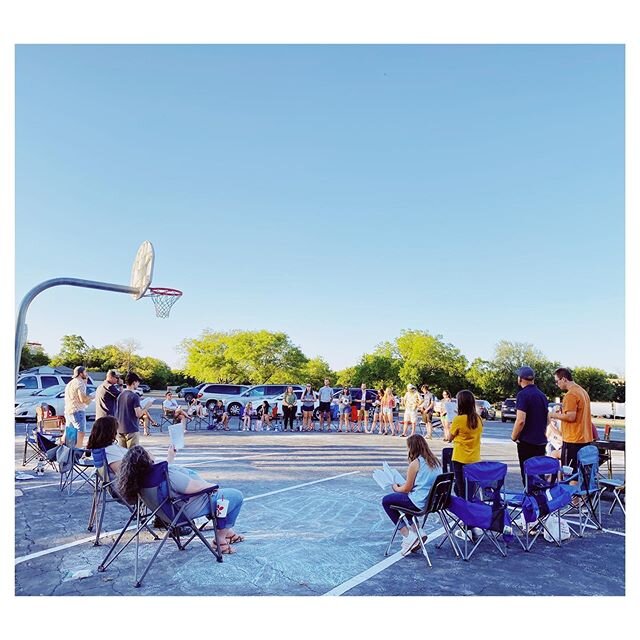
[575, 417]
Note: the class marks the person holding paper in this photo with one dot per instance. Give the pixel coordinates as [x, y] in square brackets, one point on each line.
[423, 469]
[137, 463]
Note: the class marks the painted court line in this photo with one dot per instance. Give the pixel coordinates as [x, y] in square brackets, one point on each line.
[75, 543]
[375, 569]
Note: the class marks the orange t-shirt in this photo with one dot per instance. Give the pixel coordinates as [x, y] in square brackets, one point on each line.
[577, 399]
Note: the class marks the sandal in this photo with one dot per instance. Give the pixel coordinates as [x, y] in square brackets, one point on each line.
[235, 538]
[226, 548]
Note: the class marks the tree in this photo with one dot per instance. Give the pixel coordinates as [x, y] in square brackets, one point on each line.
[73, 352]
[249, 357]
[315, 371]
[427, 359]
[33, 357]
[595, 382]
[379, 369]
[345, 377]
[128, 346]
[619, 394]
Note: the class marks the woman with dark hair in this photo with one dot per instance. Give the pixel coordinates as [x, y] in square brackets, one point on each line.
[377, 412]
[308, 401]
[423, 469]
[137, 463]
[103, 436]
[465, 433]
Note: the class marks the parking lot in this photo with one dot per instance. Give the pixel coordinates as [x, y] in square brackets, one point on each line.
[313, 525]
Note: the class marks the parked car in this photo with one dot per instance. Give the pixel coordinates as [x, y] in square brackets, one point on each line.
[257, 394]
[485, 410]
[145, 387]
[508, 410]
[555, 406]
[189, 393]
[30, 383]
[209, 394]
[54, 397]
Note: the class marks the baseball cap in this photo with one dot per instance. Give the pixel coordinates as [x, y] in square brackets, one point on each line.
[410, 386]
[78, 370]
[526, 372]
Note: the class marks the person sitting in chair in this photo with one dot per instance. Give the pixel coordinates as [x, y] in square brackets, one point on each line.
[264, 414]
[195, 409]
[137, 463]
[104, 436]
[170, 407]
[220, 417]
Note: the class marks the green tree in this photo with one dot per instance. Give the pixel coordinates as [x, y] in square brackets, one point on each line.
[33, 357]
[73, 352]
[315, 371]
[595, 382]
[427, 359]
[249, 357]
[156, 373]
[378, 369]
[345, 377]
[619, 394]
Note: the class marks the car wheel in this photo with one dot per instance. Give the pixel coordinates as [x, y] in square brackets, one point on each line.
[234, 409]
[316, 414]
[210, 405]
[188, 397]
[503, 419]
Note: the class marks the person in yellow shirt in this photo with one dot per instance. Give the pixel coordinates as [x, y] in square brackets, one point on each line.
[465, 433]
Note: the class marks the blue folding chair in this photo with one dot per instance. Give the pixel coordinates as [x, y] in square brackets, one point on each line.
[587, 492]
[73, 464]
[542, 498]
[484, 509]
[176, 511]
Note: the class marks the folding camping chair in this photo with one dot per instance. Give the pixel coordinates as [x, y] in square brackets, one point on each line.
[617, 488]
[171, 508]
[484, 509]
[168, 417]
[436, 503]
[49, 428]
[587, 492]
[73, 464]
[104, 492]
[543, 497]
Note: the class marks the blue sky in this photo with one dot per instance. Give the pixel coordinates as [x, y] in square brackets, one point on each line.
[337, 193]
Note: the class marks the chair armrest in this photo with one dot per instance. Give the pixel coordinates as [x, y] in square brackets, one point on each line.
[185, 497]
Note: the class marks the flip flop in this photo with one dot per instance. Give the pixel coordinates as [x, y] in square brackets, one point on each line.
[226, 549]
[235, 538]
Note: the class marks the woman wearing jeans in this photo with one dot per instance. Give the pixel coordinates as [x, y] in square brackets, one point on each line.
[289, 407]
[137, 463]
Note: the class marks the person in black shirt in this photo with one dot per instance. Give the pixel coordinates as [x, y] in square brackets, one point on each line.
[107, 394]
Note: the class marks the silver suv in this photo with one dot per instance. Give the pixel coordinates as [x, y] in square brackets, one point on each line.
[208, 394]
[257, 394]
[30, 383]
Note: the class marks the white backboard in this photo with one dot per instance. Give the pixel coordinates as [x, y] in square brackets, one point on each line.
[142, 269]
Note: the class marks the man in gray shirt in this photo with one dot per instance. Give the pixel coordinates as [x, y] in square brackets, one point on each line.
[107, 394]
[325, 395]
[128, 413]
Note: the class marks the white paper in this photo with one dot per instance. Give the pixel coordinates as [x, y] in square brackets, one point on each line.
[176, 435]
[146, 403]
[387, 476]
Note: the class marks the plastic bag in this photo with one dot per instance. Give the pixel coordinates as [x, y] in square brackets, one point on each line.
[552, 524]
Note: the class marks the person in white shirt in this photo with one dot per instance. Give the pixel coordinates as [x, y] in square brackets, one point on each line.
[170, 405]
[411, 401]
[324, 395]
[76, 401]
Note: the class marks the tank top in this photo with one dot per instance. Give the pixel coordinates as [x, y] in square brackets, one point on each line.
[422, 484]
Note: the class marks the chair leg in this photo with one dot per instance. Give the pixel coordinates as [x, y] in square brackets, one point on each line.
[393, 537]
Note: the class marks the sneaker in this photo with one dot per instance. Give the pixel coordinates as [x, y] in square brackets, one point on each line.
[458, 533]
[408, 542]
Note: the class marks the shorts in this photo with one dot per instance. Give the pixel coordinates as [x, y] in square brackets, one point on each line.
[325, 407]
[570, 454]
[362, 414]
[387, 411]
[410, 415]
[77, 419]
[306, 409]
[345, 410]
[128, 440]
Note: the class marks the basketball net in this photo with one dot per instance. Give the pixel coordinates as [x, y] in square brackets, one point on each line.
[163, 299]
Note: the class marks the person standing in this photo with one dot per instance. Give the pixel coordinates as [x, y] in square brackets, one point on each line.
[577, 430]
[377, 412]
[76, 401]
[128, 412]
[465, 433]
[308, 401]
[445, 418]
[426, 408]
[325, 394]
[532, 418]
[411, 403]
[344, 403]
[388, 405]
[107, 394]
[289, 408]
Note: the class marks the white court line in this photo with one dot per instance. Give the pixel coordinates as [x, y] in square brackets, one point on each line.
[375, 569]
[591, 526]
[75, 543]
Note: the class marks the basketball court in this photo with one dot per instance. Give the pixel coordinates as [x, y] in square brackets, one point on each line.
[313, 525]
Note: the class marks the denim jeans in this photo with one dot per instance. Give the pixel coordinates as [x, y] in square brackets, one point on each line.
[396, 500]
[78, 419]
[235, 499]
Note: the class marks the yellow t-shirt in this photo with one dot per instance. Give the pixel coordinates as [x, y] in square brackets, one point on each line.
[577, 399]
[466, 441]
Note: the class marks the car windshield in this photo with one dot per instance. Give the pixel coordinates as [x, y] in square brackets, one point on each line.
[50, 391]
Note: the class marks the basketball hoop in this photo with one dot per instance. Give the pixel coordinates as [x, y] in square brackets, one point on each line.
[163, 299]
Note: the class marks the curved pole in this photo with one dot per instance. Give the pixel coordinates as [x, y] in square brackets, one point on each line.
[21, 327]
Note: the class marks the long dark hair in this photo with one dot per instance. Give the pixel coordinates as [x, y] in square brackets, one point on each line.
[418, 446]
[135, 464]
[103, 433]
[467, 407]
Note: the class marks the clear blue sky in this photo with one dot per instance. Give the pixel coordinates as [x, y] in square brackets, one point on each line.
[336, 193]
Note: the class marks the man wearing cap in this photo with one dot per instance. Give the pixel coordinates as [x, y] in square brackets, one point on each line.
[107, 394]
[76, 401]
[411, 402]
[532, 418]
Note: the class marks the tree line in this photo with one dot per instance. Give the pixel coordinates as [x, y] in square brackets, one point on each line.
[256, 357]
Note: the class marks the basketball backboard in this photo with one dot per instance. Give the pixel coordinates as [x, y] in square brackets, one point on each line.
[142, 269]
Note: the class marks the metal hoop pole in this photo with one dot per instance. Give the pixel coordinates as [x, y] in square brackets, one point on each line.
[21, 327]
